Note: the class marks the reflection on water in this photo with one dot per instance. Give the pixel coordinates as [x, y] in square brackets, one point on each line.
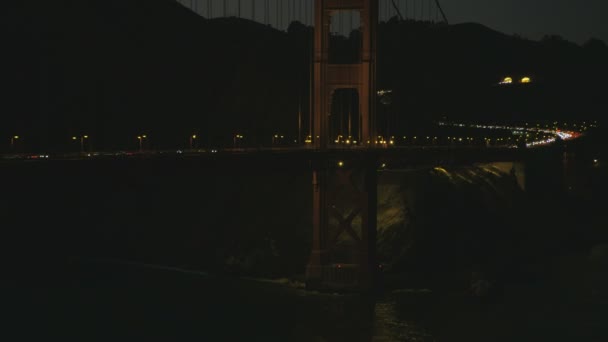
[389, 325]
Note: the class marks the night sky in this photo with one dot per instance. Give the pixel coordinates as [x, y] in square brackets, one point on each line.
[575, 20]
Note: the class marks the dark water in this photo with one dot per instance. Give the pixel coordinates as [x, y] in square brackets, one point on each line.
[197, 237]
[102, 302]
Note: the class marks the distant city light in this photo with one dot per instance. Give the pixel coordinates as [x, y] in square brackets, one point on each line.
[526, 80]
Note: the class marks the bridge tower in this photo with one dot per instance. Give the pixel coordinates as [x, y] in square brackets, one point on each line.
[360, 76]
[344, 186]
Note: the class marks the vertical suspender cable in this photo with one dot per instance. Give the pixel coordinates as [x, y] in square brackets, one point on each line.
[310, 21]
[276, 10]
[311, 35]
[421, 10]
[387, 10]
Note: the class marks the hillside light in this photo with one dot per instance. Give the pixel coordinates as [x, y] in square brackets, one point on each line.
[526, 80]
[506, 80]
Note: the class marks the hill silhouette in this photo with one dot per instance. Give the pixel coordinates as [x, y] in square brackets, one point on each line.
[114, 69]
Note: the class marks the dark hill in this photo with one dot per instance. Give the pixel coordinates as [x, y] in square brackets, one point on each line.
[114, 69]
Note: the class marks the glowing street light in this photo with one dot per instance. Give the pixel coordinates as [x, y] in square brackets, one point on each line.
[193, 138]
[14, 138]
[236, 138]
[141, 139]
[82, 138]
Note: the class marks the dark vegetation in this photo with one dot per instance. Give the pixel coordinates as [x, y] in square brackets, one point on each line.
[115, 69]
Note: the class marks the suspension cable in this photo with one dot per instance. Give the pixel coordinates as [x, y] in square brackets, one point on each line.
[445, 19]
[397, 10]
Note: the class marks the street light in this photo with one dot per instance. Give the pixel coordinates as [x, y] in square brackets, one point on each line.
[192, 141]
[13, 139]
[82, 139]
[141, 138]
[234, 139]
